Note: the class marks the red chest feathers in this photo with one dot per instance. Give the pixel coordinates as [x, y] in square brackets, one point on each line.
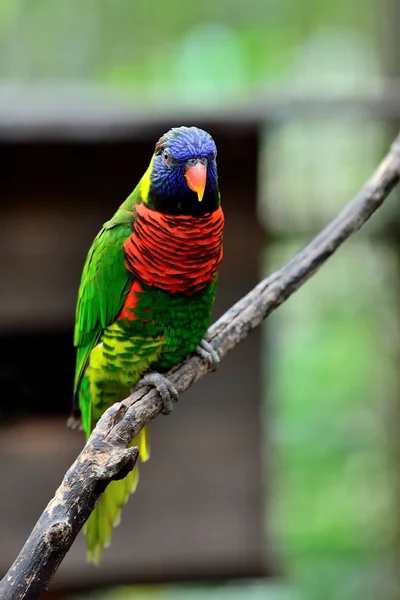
[175, 253]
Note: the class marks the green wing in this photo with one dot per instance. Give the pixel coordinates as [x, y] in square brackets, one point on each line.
[104, 284]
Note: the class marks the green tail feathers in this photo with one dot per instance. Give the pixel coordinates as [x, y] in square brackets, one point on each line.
[107, 512]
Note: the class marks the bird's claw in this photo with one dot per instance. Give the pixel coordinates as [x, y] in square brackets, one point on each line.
[164, 387]
[208, 354]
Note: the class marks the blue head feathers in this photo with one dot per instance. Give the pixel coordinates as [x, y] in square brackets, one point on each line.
[184, 178]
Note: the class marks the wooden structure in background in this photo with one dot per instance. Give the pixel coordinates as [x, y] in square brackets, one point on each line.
[196, 514]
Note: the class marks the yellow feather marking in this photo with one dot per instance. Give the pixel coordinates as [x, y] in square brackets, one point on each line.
[142, 440]
[145, 182]
[144, 353]
[96, 357]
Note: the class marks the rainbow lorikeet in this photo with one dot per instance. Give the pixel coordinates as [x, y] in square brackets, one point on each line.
[146, 295]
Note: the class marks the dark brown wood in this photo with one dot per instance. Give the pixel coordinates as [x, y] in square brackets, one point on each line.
[106, 455]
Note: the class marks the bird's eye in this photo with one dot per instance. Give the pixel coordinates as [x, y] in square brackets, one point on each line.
[166, 156]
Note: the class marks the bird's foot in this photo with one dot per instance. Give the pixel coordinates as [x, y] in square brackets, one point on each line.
[164, 387]
[208, 354]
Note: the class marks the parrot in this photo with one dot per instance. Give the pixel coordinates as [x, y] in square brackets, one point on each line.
[145, 298]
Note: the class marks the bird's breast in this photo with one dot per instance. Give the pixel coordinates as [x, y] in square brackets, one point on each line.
[175, 253]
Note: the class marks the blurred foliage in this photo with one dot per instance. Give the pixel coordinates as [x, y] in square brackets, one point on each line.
[218, 51]
[343, 151]
[333, 380]
[224, 591]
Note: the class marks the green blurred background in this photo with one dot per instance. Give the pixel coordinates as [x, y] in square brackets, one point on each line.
[318, 79]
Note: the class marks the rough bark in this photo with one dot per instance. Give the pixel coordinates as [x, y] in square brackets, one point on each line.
[106, 455]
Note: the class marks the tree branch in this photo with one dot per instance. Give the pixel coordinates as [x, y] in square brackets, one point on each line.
[106, 455]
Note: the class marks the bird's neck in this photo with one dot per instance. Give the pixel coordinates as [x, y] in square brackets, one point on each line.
[175, 253]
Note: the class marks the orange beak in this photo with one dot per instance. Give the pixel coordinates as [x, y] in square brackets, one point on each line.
[196, 179]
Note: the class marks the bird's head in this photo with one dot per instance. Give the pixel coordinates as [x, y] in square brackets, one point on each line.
[182, 176]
